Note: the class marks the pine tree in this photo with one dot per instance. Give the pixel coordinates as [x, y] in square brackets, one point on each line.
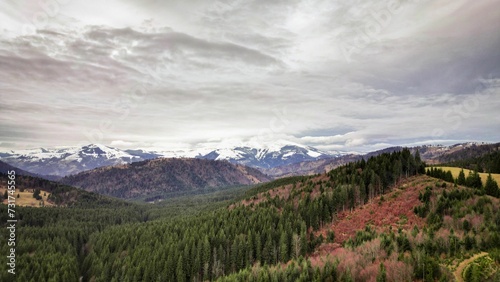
[397, 170]
[267, 252]
[382, 276]
[258, 248]
[234, 255]
[179, 273]
[491, 187]
[461, 178]
[474, 180]
[362, 191]
[296, 246]
[418, 162]
[283, 247]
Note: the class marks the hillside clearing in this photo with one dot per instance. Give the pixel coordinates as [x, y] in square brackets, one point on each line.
[26, 198]
[456, 170]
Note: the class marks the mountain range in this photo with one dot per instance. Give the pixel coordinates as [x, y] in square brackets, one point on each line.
[71, 160]
[276, 160]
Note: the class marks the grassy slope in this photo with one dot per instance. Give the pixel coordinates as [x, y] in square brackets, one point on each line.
[26, 198]
[456, 170]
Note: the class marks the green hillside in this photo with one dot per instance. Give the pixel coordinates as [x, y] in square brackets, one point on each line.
[378, 219]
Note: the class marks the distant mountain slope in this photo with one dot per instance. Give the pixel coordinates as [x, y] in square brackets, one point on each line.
[60, 194]
[310, 167]
[5, 167]
[278, 159]
[164, 176]
[432, 154]
[488, 163]
[64, 161]
[280, 154]
[467, 151]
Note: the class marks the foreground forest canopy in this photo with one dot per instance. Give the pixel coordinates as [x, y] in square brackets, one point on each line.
[379, 219]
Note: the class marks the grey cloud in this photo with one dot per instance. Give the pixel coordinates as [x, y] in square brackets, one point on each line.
[212, 70]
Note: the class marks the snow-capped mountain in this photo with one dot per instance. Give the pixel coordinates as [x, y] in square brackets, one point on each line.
[65, 161]
[268, 156]
[280, 155]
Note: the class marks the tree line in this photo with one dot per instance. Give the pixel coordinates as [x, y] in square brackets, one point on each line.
[473, 180]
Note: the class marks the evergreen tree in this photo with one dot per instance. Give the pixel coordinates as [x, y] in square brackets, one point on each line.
[382, 275]
[449, 177]
[36, 194]
[474, 180]
[179, 272]
[284, 247]
[397, 170]
[461, 178]
[491, 187]
[420, 165]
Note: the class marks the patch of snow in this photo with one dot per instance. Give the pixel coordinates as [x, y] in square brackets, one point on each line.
[226, 154]
[313, 154]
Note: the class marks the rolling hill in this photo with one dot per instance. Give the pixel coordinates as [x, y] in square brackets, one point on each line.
[56, 194]
[163, 176]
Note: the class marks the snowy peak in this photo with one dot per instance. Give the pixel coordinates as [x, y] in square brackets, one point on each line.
[97, 151]
[63, 161]
[67, 160]
[269, 156]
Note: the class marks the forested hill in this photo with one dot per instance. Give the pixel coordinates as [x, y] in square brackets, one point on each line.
[370, 220]
[474, 152]
[164, 176]
[488, 162]
[59, 194]
[5, 167]
[379, 219]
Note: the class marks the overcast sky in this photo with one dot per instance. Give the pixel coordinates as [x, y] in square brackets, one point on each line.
[336, 75]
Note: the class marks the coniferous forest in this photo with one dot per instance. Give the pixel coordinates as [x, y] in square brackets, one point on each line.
[249, 140]
[285, 230]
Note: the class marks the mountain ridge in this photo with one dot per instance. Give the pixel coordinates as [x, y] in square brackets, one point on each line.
[72, 160]
[163, 176]
[432, 154]
[280, 159]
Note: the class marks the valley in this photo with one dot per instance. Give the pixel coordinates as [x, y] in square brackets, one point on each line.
[250, 141]
[380, 217]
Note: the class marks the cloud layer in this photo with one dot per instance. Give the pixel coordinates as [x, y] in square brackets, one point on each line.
[348, 75]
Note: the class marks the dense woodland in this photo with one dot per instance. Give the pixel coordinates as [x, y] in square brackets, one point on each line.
[160, 177]
[469, 153]
[489, 163]
[61, 195]
[473, 180]
[262, 235]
